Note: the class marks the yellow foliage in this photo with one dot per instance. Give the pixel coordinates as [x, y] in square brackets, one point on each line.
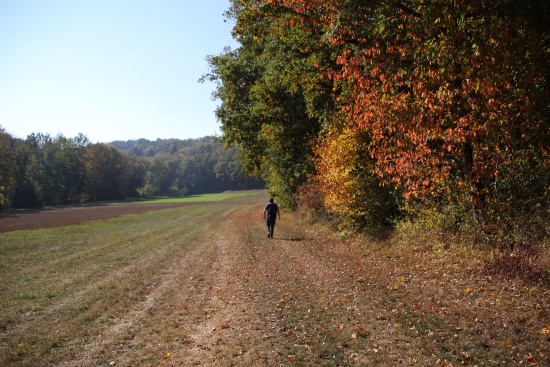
[337, 163]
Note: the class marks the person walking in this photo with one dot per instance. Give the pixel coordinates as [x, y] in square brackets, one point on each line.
[271, 212]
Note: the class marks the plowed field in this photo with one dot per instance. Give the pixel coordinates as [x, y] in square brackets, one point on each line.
[67, 215]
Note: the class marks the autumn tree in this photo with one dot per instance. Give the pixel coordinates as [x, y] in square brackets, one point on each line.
[451, 98]
[106, 169]
[273, 96]
[454, 96]
[346, 180]
[133, 176]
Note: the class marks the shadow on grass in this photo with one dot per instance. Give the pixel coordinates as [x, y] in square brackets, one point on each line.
[519, 267]
[291, 239]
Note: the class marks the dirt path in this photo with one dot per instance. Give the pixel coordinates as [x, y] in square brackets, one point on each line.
[202, 310]
[306, 298]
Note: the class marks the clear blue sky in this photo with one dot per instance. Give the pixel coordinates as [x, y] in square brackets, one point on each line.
[110, 69]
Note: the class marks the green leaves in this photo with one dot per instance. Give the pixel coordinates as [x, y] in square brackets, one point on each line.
[272, 96]
[444, 97]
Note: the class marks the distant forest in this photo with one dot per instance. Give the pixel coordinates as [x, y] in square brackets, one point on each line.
[44, 170]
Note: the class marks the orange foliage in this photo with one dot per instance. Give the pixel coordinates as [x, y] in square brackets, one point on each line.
[445, 95]
[435, 98]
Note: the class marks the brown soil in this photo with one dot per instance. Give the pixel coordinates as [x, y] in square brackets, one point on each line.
[68, 215]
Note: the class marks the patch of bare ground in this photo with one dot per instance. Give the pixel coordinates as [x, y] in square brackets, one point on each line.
[75, 214]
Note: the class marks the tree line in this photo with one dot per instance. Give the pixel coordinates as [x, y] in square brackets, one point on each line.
[46, 170]
[375, 111]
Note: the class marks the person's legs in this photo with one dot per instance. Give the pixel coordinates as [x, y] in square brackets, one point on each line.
[272, 228]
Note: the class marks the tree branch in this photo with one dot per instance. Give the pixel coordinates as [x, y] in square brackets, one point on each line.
[409, 11]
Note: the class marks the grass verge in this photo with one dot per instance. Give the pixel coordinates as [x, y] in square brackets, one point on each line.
[418, 299]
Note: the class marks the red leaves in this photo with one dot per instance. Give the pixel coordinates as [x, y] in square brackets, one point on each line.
[439, 100]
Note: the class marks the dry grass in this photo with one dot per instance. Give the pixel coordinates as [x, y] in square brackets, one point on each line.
[428, 302]
[205, 287]
[62, 289]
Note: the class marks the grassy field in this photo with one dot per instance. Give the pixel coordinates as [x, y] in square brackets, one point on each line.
[62, 286]
[201, 285]
[189, 199]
